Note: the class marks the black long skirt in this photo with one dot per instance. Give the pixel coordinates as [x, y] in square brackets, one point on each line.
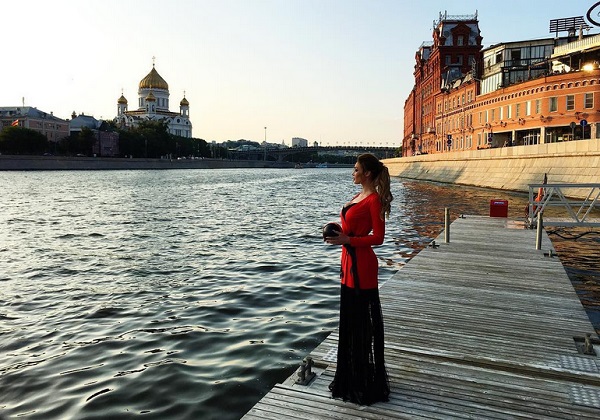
[361, 376]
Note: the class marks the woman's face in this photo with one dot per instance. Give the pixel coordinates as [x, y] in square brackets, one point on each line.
[358, 175]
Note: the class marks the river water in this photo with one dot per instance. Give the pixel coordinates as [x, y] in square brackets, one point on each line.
[188, 294]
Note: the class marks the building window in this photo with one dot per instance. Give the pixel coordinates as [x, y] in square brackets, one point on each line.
[493, 114]
[517, 110]
[589, 100]
[501, 113]
[515, 56]
[508, 111]
[460, 40]
[528, 108]
[538, 106]
[570, 102]
[553, 106]
[448, 59]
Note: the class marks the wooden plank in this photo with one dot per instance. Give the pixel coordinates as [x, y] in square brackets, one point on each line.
[481, 327]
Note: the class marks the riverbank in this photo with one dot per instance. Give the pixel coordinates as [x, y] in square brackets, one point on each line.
[50, 163]
[507, 168]
[83, 163]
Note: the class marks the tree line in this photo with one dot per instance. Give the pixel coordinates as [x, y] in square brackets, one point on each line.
[150, 139]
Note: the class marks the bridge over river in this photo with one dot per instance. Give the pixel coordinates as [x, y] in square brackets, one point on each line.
[281, 154]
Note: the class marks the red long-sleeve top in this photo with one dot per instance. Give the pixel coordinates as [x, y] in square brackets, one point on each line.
[361, 221]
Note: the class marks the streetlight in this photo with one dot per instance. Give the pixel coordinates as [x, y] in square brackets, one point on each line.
[265, 154]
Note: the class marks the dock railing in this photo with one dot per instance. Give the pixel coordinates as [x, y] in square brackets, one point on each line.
[558, 197]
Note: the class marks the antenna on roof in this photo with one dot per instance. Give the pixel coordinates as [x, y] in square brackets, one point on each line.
[153, 60]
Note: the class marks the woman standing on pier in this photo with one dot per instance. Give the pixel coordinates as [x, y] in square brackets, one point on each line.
[361, 376]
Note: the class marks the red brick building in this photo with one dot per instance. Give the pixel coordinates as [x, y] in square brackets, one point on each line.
[456, 46]
[517, 93]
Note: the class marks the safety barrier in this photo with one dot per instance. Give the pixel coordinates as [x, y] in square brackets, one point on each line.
[556, 196]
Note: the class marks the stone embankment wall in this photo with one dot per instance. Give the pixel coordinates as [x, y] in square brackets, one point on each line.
[508, 168]
[50, 163]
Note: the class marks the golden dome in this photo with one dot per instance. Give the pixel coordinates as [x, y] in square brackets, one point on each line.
[184, 102]
[122, 100]
[153, 81]
[150, 97]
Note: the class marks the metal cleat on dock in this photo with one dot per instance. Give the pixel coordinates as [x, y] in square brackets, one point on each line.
[588, 347]
[585, 345]
[305, 373]
[433, 245]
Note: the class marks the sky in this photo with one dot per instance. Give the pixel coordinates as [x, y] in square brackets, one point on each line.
[332, 71]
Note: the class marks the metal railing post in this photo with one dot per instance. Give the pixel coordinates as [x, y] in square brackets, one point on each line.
[446, 225]
[540, 227]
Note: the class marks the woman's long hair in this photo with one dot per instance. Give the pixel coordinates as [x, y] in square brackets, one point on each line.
[381, 179]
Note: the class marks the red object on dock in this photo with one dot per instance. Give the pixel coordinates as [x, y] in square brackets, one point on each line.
[498, 208]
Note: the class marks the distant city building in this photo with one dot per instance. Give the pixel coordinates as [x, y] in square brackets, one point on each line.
[153, 105]
[299, 142]
[106, 142]
[52, 127]
[78, 122]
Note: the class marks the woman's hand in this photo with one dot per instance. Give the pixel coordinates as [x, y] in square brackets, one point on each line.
[341, 239]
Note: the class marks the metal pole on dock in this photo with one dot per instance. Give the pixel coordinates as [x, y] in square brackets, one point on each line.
[540, 227]
[446, 225]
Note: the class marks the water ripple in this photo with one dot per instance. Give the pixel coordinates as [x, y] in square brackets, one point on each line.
[189, 294]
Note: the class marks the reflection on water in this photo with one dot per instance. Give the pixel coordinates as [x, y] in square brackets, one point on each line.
[189, 294]
[578, 251]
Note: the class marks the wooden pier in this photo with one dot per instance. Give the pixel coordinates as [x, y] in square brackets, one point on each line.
[482, 327]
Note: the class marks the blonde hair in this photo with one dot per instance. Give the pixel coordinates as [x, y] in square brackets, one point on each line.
[381, 179]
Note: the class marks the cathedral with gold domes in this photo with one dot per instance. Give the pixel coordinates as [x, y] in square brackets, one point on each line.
[153, 105]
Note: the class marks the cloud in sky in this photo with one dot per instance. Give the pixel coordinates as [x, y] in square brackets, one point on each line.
[332, 71]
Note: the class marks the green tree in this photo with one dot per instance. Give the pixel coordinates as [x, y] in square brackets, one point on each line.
[19, 140]
[152, 139]
[80, 143]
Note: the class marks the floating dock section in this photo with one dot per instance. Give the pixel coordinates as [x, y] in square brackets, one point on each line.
[482, 327]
